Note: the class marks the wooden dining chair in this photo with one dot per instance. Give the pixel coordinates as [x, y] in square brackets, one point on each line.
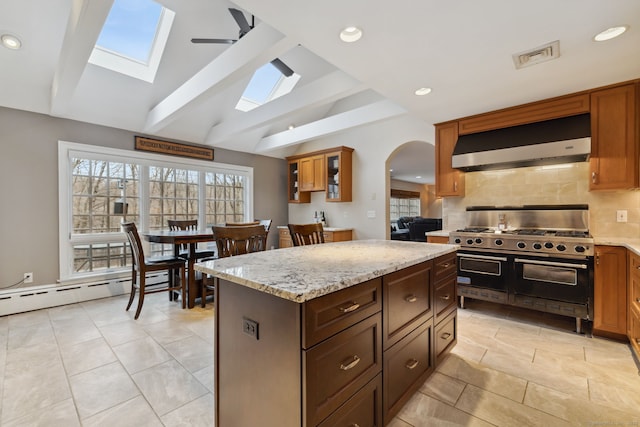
[264, 222]
[142, 265]
[306, 234]
[232, 241]
[183, 250]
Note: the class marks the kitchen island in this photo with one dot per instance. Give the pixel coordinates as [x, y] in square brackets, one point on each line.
[303, 335]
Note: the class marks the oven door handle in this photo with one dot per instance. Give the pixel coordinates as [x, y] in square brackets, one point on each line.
[551, 264]
[489, 258]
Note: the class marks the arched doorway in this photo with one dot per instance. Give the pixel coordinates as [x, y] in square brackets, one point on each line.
[410, 176]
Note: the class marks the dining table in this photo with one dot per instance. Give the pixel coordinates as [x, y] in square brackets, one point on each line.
[183, 237]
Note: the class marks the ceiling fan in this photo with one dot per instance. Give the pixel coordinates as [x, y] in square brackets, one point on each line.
[244, 29]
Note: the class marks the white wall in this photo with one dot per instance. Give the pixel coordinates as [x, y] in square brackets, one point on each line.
[372, 147]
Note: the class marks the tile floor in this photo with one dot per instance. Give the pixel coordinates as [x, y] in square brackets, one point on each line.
[91, 364]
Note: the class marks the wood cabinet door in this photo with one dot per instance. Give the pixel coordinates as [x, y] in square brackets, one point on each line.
[610, 292]
[312, 173]
[449, 181]
[614, 141]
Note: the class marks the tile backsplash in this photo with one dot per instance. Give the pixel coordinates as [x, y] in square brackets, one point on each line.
[557, 184]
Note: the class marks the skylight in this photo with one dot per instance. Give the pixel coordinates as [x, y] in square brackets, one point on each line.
[133, 38]
[266, 85]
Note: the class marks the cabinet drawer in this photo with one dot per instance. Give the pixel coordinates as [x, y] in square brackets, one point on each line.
[446, 335]
[444, 298]
[444, 266]
[338, 367]
[407, 301]
[363, 409]
[405, 366]
[325, 316]
[634, 330]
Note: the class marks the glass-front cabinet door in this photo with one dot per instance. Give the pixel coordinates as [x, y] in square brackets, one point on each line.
[338, 175]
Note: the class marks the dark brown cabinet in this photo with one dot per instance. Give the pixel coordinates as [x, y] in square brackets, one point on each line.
[351, 357]
[610, 292]
[614, 138]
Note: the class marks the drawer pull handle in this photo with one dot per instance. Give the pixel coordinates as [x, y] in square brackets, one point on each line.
[445, 336]
[445, 297]
[637, 299]
[354, 425]
[411, 298]
[638, 267]
[411, 364]
[354, 361]
[446, 265]
[353, 307]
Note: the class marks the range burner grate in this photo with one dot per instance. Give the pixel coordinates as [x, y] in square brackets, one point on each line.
[473, 230]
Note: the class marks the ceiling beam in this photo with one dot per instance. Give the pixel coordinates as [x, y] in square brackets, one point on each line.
[85, 22]
[360, 116]
[325, 90]
[259, 46]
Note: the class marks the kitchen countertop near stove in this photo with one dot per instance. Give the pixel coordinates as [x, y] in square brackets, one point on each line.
[631, 244]
[305, 272]
[438, 233]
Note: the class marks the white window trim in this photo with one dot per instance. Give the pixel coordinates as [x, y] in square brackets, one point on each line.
[67, 150]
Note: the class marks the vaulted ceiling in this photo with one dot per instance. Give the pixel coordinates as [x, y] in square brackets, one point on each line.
[461, 49]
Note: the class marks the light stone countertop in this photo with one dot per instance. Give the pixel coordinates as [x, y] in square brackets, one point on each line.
[324, 228]
[631, 244]
[438, 233]
[305, 272]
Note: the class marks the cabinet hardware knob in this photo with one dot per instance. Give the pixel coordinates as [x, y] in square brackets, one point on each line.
[593, 177]
[353, 307]
[637, 299]
[354, 360]
[445, 336]
[411, 364]
[638, 267]
[354, 425]
[455, 186]
[446, 265]
[445, 297]
[411, 298]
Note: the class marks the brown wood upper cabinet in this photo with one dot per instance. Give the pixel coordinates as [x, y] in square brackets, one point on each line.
[615, 134]
[614, 138]
[449, 181]
[325, 170]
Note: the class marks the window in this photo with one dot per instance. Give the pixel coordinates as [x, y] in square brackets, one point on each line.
[403, 203]
[133, 38]
[102, 187]
[267, 84]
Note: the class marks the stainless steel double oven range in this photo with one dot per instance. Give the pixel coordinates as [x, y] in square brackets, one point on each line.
[539, 257]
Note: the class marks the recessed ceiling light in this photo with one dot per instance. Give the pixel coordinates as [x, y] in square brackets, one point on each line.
[11, 42]
[291, 127]
[423, 91]
[350, 34]
[418, 177]
[610, 33]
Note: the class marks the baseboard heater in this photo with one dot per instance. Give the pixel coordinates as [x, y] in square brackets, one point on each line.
[22, 300]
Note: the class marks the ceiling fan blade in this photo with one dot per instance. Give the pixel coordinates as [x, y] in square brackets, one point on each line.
[220, 41]
[241, 20]
[282, 67]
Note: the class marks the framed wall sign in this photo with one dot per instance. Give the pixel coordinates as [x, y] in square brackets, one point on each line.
[173, 148]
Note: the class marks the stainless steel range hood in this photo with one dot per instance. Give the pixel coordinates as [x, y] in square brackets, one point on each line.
[563, 140]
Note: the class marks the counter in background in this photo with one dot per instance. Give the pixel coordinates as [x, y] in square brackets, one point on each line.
[438, 236]
[331, 234]
[330, 334]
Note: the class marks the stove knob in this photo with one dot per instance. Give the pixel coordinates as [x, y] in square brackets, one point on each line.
[469, 241]
[537, 246]
[580, 249]
[457, 240]
[548, 245]
[521, 245]
[478, 240]
[561, 247]
[499, 242]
